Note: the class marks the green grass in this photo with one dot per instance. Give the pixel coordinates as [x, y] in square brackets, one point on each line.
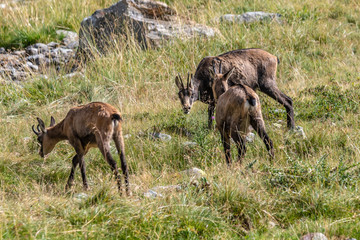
[311, 186]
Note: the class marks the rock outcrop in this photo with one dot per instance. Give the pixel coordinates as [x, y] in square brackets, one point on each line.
[35, 59]
[150, 23]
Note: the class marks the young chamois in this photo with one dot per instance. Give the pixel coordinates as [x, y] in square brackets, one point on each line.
[254, 68]
[238, 110]
[86, 126]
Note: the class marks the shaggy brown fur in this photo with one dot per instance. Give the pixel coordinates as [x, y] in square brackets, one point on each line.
[238, 110]
[86, 126]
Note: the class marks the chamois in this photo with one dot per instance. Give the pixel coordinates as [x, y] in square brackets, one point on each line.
[238, 110]
[254, 68]
[86, 126]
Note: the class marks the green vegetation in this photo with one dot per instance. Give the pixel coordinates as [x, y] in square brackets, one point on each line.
[311, 186]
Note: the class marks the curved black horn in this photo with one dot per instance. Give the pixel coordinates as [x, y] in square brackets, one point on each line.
[37, 133]
[187, 82]
[38, 128]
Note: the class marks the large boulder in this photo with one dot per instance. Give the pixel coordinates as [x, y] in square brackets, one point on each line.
[150, 22]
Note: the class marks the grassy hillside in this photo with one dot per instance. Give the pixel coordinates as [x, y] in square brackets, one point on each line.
[311, 186]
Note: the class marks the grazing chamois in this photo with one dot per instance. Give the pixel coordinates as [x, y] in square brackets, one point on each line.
[86, 126]
[254, 68]
[238, 111]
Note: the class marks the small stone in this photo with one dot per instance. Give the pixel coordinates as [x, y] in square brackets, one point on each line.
[74, 74]
[161, 136]
[314, 236]
[126, 136]
[279, 110]
[3, 6]
[250, 137]
[194, 172]
[299, 131]
[167, 188]
[277, 125]
[152, 194]
[190, 144]
[2, 50]
[81, 196]
[250, 17]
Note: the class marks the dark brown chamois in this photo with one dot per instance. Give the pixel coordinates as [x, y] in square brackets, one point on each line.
[254, 68]
[86, 126]
[238, 111]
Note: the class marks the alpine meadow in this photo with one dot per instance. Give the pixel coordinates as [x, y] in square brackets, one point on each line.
[312, 185]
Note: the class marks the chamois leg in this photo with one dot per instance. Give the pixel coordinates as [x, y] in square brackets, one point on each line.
[240, 145]
[80, 152]
[75, 162]
[120, 147]
[286, 101]
[225, 139]
[83, 171]
[211, 109]
[105, 150]
[258, 125]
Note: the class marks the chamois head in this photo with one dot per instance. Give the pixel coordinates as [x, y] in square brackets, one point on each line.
[219, 80]
[186, 95]
[46, 144]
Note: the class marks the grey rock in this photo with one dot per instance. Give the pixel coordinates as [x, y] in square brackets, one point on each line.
[161, 136]
[75, 74]
[40, 47]
[32, 66]
[53, 45]
[126, 136]
[80, 196]
[314, 236]
[167, 188]
[69, 36]
[18, 76]
[39, 59]
[20, 53]
[190, 144]
[250, 17]
[72, 45]
[32, 51]
[299, 131]
[194, 172]
[278, 125]
[250, 137]
[152, 194]
[351, 239]
[150, 22]
[2, 50]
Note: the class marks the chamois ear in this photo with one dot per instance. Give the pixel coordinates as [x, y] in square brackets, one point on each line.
[179, 82]
[52, 121]
[228, 74]
[41, 124]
